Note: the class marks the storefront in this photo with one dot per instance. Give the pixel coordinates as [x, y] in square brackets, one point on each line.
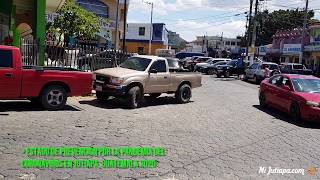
[313, 50]
[290, 53]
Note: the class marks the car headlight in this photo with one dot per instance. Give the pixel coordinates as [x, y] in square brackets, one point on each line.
[312, 104]
[116, 81]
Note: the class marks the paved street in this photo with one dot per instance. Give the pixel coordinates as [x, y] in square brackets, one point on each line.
[221, 134]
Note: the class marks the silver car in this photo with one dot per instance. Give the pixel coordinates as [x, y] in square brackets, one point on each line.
[256, 71]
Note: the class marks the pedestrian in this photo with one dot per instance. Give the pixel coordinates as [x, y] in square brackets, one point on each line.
[266, 71]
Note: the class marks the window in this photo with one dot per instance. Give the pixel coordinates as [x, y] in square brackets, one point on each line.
[298, 66]
[296, 60]
[238, 43]
[233, 43]
[136, 63]
[5, 59]
[227, 42]
[140, 50]
[275, 80]
[160, 66]
[288, 67]
[142, 31]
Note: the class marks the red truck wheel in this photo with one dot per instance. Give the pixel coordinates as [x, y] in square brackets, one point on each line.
[54, 97]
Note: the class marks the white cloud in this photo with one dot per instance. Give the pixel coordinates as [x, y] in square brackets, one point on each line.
[190, 29]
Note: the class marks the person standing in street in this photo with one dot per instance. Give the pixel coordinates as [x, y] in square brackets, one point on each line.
[266, 71]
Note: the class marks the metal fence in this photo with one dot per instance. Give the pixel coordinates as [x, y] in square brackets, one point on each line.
[30, 52]
[78, 56]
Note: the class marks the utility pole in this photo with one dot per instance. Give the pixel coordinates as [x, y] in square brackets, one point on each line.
[151, 27]
[116, 38]
[305, 21]
[249, 29]
[124, 26]
[254, 33]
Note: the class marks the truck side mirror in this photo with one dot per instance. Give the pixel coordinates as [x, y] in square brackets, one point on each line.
[153, 71]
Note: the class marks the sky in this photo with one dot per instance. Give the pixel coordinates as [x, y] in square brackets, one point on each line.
[191, 18]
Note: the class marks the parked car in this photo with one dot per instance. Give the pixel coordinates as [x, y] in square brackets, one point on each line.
[175, 65]
[49, 86]
[231, 68]
[141, 75]
[182, 55]
[294, 68]
[191, 62]
[209, 62]
[297, 95]
[256, 71]
[212, 68]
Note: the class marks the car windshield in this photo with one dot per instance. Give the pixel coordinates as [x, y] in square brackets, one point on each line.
[209, 61]
[219, 63]
[173, 63]
[297, 66]
[306, 85]
[136, 63]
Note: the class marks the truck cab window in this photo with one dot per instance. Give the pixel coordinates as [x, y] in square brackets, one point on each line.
[160, 66]
[5, 59]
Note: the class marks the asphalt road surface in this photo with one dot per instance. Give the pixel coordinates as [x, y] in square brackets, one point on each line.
[221, 134]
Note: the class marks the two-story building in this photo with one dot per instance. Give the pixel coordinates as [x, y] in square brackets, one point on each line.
[312, 50]
[138, 37]
[286, 45]
[107, 10]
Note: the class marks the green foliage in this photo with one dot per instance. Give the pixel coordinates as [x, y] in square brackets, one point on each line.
[270, 23]
[76, 21]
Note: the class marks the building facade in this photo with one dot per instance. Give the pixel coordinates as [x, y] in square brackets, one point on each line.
[312, 51]
[138, 36]
[106, 10]
[215, 43]
[286, 46]
[175, 41]
[25, 19]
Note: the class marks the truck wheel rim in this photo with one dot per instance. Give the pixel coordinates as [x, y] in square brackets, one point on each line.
[185, 93]
[55, 98]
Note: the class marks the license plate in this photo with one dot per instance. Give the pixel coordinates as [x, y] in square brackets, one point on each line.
[98, 88]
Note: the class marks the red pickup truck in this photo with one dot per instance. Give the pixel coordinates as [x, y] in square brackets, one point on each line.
[49, 86]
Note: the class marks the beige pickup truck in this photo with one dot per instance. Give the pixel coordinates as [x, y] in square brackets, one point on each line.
[141, 75]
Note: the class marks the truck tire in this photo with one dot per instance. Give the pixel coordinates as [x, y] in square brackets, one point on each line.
[155, 95]
[183, 95]
[102, 97]
[54, 97]
[134, 97]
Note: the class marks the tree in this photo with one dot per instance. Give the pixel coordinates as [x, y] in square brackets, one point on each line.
[72, 20]
[269, 23]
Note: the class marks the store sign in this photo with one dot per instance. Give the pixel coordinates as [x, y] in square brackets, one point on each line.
[291, 49]
[263, 50]
[312, 48]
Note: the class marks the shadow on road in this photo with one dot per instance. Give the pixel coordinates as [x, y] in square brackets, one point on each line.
[285, 117]
[20, 106]
[114, 103]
